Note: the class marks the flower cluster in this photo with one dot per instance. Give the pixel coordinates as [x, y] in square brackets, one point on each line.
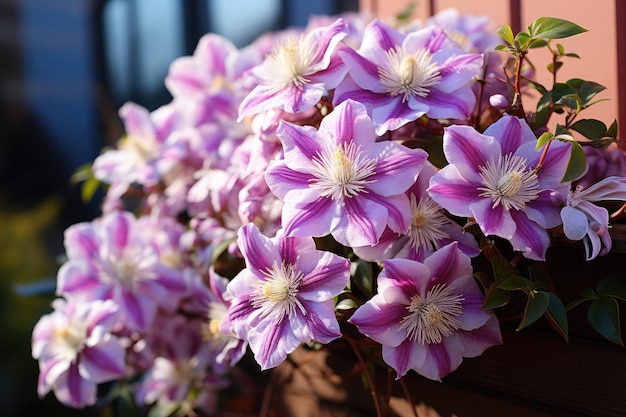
[285, 177]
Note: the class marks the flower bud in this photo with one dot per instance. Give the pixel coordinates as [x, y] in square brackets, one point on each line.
[499, 101]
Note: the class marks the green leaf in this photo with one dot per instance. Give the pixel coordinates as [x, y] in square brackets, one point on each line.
[561, 90]
[612, 286]
[603, 315]
[406, 13]
[522, 40]
[505, 48]
[507, 34]
[219, 249]
[551, 66]
[514, 283]
[536, 306]
[587, 294]
[560, 49]
[588, 90]
[537, 43]
[612, 131]
[557, 316]
[590, 128]
[502, 269]
[89, 189]
[164, 409]
[363, 277]
[554, 28]
[496, 297]
[543, 140]
[577, 163]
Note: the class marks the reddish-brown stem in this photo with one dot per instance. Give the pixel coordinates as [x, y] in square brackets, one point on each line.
[543, 156]
[517, 106]
[619, 212]
[408, 396]
[368, 376]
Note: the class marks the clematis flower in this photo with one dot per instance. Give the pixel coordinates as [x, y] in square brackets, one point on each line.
[472, 33]
[427, 316]
[492, 178]
[284, 296]
[430, 229]
[583, 220]
[298, 72]
[339, 180]
[113, 258]
[76, 350]
[401, 77]
[134, 160]
[182, 373]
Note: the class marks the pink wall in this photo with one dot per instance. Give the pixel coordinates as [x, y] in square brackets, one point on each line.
[597, 48]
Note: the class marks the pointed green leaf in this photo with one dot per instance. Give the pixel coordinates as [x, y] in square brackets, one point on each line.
[554, 28]
[612, 286]
[612, 131]
[514, 283]
[586, 294]
[557, 316]
[551, 67]
[560, 49]
[363, 277]
[502, 269]
[536, 306]
[603, 315]
[406, 13]
[496, 297]
[577, 163]
[543, 140]
[522, 39]
[537, 43]
[590, 128]
[507, 34]
[588, 90]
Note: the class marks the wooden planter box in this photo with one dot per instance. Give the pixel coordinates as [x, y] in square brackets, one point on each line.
[534, 373]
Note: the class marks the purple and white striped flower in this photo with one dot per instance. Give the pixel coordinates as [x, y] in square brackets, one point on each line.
[113, 258]
[583, 220]
[284, 296]
[427, 316]
[339, 180]
[294, 77]
[430, 229]
[492, 178]
[76, 350]
[182, 373]
[401, 77]
[134, 160]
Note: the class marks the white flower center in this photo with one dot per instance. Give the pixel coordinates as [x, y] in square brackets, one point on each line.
[509, 182]
[122, 270]
[69, 340]
[461, 39]
[433, 318]
[342, 172]
[290, 63]
[278, 295]
[141, 149]
[426, 223]
[211, 329]
[409, 75]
